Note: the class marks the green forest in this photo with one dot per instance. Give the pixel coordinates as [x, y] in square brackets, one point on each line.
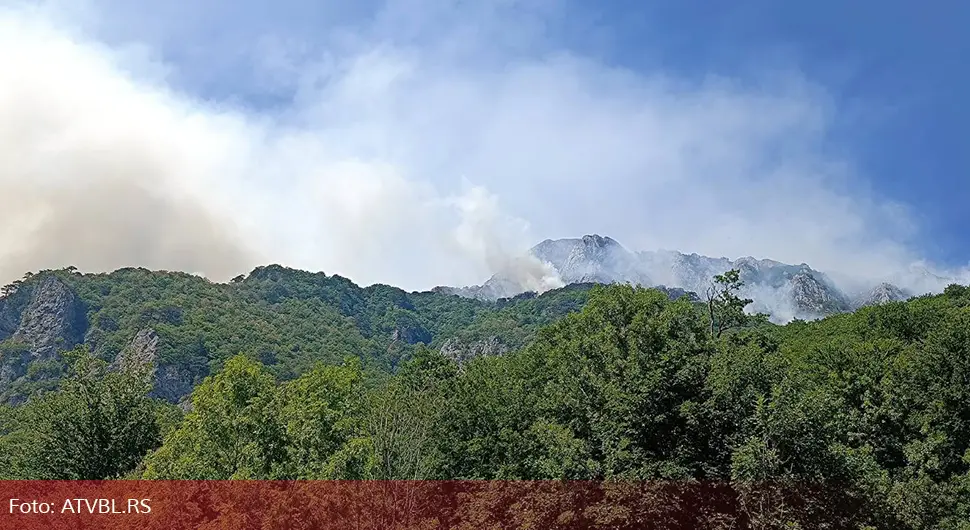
[295, 375]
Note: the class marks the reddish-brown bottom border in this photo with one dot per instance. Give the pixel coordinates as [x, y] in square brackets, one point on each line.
[146, 505]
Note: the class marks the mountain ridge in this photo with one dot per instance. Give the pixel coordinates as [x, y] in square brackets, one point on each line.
[783, 291]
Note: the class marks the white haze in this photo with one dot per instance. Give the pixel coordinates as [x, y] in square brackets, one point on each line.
[410, 161]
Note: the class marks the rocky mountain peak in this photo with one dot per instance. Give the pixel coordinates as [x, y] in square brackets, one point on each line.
[884, 293]
[598, 241]
[782, 290]
[592, 258]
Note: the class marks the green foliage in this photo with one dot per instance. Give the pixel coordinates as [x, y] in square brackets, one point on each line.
[725, 307]
[231, 431]
[244, 426]
[872, 405]
[287, 319]
[400, 422]
[613, 391]
[98, 425]
[322, 413]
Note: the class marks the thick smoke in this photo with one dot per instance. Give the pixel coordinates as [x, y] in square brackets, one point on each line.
[99, 172]
[103, 169]
[105, 224]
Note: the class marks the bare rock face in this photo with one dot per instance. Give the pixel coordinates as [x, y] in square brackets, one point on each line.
[170, 382]
[52, 321]
[812, 296]
[462, 352]
[142, 351]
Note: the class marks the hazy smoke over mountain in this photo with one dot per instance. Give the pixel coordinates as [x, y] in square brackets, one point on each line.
[344, 152]
[106, 223]
[484, 232]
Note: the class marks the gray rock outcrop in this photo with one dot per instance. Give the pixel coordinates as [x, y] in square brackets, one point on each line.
[462, 352]
[52, 321]
[169, 381]
[9, 319]
[813, 297]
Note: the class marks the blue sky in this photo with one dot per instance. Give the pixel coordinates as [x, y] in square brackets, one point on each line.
[425, 142]
[897, 70]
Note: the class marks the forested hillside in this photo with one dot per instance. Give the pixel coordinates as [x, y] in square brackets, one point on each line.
[287, 319]
[873, 405]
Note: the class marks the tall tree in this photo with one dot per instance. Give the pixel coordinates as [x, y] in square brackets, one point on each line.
[725, 307]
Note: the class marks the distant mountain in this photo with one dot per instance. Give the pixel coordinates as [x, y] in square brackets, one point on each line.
[782, 290]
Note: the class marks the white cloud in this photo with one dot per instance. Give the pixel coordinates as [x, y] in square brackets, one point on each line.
[112, 158]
